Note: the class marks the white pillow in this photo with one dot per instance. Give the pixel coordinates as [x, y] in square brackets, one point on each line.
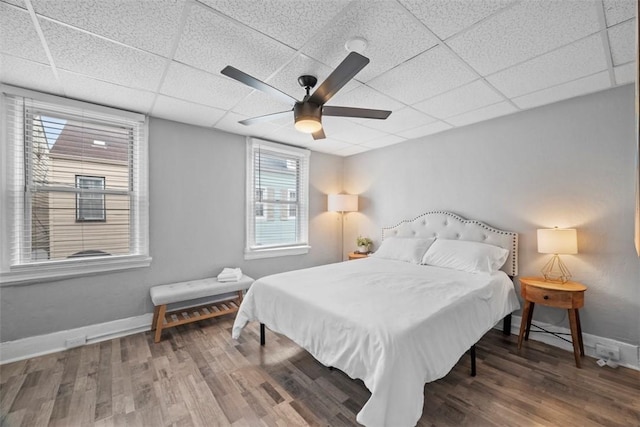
[473, 257]
[403, 249]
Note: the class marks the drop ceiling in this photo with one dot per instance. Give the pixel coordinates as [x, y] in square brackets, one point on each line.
[437, 64]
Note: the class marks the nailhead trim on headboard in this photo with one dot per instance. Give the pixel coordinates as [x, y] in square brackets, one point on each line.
[505, 239]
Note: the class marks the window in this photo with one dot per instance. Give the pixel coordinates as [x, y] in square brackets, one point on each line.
[76, 198]
[277, 202]
[90, 202]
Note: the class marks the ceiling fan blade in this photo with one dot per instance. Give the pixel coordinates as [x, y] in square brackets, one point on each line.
[319, 135]
[364, 113]
[251, 81]
[352, 64]
[265, 118]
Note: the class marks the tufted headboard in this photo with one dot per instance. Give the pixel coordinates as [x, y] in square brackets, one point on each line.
[447, 225]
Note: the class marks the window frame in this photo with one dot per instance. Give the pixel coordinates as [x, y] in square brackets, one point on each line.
[79, 199]
[301, 246]
[12, 221]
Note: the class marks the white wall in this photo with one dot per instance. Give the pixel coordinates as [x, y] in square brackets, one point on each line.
[570, 164]
[196, 228]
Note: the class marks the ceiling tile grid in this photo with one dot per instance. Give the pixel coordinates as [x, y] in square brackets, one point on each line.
[436, 64]
[83, 53]
[460, 100]
[579, 59]
[393, 36]
[18, 36]
[573, 88]
[523, 31]
[147, 25]
[446, 18]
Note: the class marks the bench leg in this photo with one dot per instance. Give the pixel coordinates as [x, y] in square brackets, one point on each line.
[155, 317]
[240, 296]
[162, 309]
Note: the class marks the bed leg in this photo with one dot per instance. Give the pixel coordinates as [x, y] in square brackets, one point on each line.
[506, 325]
[262, 334]
[472, 352]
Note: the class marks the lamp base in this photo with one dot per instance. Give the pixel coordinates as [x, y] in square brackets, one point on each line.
[556, 271]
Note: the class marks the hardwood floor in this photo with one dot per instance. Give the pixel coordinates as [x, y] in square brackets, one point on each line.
[198, 376]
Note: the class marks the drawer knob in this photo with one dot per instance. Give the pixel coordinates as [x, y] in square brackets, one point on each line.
[546, 297]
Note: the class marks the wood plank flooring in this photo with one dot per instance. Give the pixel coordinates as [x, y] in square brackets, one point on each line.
[198, 376]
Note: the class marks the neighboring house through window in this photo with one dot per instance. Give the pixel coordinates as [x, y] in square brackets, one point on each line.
[277, 202]
[77, 188]
[90, 201]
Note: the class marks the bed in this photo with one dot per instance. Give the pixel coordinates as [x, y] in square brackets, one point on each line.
[390, 320]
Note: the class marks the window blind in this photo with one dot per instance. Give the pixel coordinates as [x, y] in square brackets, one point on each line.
[277, 208]
[76, 185]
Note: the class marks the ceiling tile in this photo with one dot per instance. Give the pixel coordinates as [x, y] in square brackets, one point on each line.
[18, 36]
[288, 134]
[185, 112]
[445, 17]
[259, 104]
[460, 100]
[350, 151]
[625, 73]
[393, 36]
[617, 11]
[32, 75]
[622, 39]
[335, 125]
[485, 113]
[99, 92]
[524, 31]
[399, 120]
[425, 130]
[576, 60]
[329, 145]
[578, 87]
[191, 84]
[82, 53]
[364, 97]
[383, 141]
[293, 23]
[211, 42]
[148, 25]
[430, 73]
[229, 123]
[429, 129]
[357, 134]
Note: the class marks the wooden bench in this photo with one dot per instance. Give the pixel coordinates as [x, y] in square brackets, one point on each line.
[194, 289]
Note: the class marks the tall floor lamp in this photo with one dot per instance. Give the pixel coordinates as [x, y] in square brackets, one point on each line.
[342, 203]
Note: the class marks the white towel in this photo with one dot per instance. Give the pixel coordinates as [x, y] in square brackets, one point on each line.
[230, 275]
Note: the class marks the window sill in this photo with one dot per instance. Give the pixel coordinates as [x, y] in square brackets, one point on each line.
[51, 271]
[275, 252]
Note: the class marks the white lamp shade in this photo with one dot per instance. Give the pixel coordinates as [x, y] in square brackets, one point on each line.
[342, 203]
[557, 241]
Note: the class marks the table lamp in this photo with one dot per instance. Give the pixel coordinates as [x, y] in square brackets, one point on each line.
[557, 241]
[342, 203]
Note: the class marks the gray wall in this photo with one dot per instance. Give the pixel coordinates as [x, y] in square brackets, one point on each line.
[197, 222]
[570, 164]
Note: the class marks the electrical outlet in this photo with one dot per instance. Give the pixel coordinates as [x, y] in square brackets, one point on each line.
[610, 352]
[75, 341]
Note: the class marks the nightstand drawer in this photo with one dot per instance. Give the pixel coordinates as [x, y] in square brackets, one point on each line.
[554, 298]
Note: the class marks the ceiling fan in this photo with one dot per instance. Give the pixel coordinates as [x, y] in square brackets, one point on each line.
[308, 112]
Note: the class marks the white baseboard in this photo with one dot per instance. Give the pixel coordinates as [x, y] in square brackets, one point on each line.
[25, 348]
[12, 351]
[629, 353]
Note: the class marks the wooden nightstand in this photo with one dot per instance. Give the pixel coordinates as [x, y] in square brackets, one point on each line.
[357, 255]
[569, 295]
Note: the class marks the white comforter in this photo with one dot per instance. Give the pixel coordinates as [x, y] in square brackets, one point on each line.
[393, 324]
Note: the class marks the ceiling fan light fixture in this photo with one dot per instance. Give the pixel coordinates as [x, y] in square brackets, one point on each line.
[307, 117]
[308, 125]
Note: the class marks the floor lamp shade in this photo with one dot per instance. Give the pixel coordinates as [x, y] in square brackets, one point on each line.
[342, 203]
